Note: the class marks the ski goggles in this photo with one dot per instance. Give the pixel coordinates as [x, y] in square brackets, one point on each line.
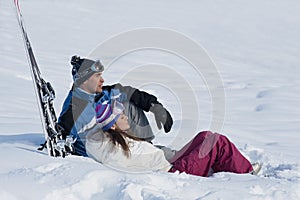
[117, 108]
[96, 67]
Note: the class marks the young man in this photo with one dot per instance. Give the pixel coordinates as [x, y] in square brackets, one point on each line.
[78, 117]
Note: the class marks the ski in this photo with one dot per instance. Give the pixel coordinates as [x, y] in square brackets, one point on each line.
[54, 142]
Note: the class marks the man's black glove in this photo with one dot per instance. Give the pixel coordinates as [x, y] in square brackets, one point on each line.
[162, 116]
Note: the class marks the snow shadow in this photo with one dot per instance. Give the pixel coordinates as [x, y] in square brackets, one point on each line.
[34, 139]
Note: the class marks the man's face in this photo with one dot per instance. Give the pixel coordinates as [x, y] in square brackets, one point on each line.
[93, 84]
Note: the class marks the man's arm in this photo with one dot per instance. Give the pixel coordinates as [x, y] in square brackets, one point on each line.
[139, 98]
[146, 102]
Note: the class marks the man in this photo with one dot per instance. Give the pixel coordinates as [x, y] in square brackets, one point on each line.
[78, 117]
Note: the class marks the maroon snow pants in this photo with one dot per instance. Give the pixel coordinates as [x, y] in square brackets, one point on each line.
[210, 151]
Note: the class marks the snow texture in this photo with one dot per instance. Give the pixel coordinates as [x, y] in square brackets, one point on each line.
[255, 46]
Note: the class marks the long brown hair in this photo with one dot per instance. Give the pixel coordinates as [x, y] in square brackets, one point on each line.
[118, 136]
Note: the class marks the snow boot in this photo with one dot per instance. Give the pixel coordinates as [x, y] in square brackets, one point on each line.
[256, 168]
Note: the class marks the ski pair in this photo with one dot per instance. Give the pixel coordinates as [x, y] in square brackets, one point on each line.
[54, 141]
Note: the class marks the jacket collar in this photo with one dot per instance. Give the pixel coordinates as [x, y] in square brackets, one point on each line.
[80, 93]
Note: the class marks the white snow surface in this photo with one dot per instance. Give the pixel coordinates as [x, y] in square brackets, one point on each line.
[255, 46]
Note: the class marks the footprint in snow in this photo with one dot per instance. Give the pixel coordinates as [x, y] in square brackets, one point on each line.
[263, 94]
[261, 107]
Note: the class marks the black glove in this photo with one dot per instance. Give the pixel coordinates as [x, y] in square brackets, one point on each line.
[162, 116]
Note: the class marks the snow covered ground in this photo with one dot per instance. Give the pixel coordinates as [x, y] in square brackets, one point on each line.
[255, 46]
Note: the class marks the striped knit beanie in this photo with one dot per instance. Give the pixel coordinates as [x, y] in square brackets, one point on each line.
[82, 69]
[105, 116]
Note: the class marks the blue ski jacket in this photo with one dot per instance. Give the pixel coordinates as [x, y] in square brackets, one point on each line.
[78, 116]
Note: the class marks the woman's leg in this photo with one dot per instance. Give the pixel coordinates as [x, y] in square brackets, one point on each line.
[229, 158]
[210, 151]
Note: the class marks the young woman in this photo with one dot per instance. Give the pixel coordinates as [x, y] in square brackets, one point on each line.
[206, 153]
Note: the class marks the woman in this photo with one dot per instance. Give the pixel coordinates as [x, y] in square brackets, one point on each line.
[206, 153]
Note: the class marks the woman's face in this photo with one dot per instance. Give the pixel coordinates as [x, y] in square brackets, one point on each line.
[122, 122]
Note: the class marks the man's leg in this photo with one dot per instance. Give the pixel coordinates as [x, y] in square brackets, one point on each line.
[138, 122]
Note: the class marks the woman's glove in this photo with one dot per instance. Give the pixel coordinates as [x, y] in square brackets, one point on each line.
[162, 116]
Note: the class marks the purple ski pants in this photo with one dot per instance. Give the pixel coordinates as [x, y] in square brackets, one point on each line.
[210, 151]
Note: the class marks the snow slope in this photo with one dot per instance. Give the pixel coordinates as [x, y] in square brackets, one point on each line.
[255, 46]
